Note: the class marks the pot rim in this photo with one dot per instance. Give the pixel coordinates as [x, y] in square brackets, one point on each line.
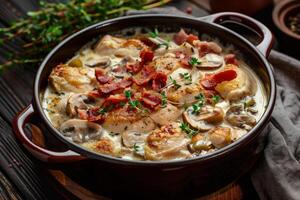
[220, 152]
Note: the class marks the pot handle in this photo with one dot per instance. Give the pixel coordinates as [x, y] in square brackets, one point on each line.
[38, 152]
[265, 34]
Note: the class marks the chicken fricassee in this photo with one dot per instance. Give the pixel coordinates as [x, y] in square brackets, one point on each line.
[154, 96]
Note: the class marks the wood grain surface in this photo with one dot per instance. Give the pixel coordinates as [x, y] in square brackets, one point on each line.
[22, 176]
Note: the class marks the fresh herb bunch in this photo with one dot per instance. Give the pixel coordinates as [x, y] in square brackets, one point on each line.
[41, 30]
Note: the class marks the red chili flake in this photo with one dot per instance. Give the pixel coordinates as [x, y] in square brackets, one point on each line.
[210, 81]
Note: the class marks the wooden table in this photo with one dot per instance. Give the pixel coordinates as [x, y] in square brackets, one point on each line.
[21, 176]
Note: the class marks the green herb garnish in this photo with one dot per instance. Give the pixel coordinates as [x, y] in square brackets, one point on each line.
[187, 78]
[216, 99]
[154, 34]
[127, 94]
[136, 148]
[198, 106]
[132, 103]
[43, 29]
[186, 128]
[104, 110]
[194, 61]
[175, 84]
[163, 99]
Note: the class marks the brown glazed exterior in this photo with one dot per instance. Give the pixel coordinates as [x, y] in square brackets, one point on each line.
[119, 178]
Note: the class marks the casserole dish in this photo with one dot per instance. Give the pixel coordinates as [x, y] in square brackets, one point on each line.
[160, 179]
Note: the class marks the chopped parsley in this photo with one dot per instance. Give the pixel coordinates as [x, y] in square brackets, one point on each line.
[163, 99]
[187, 78]
[154, 34]
[175, 84]
[186, 128]
[216, 99]
[200, 97]
[194, 61]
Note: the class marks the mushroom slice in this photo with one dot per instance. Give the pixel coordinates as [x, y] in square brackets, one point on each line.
[205, 119]
[220, 136]
[80, 102]
[237, 116]
[166, 115]
[199, 143]
[81, 130]
[167, 143]
[101, 62]
[131, 138]
[210, 61]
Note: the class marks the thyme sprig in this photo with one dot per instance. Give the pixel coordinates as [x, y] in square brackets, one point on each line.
[41, 30]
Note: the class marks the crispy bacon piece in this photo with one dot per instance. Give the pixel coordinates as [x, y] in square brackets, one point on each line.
[95, 94]
[210, 81]
[111, 87]
[190, 39]
[230, 59]
[145, 75]
[151, 99]
[182, 37]
[115, 100]
[185, 61]
[101, 77]
[148, 42]
[159, 81]
[146, 56]
[133, 67]
[91, 115]
[204, 49]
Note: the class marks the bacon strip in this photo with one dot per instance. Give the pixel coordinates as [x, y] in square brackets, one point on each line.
[150, 99]
[110, 87]
[210, 81]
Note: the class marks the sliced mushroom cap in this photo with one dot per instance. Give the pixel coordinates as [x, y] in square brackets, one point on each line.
[205, 119]
[220, 136]
[81, 130]
[210, 61]
[131, 138]
[78, 101]
[237, 116]
[199, 143]
[101, 62]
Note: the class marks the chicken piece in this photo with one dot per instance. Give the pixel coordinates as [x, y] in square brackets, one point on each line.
[121, 120]
[243, 85]
[72, 79]
[105, 146]
[167, 143]
[108, 45]
[167, 63]
[166, 115]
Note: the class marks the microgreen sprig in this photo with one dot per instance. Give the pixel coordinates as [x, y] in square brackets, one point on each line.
[194, 61]
[187, 78]
[154, 34]
[186, 128]
[175, 84]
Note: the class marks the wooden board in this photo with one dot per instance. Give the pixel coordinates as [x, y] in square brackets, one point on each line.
[24, 177]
